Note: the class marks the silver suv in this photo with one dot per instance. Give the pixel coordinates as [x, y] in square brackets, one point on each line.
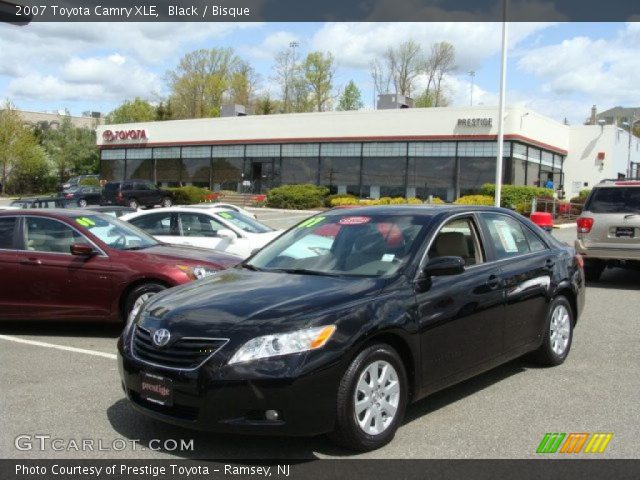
[609, 227]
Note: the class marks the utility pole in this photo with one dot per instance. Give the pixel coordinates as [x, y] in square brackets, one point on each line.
[501, 108]
[472, 76]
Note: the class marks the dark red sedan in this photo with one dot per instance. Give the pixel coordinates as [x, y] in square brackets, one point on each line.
[81, 265]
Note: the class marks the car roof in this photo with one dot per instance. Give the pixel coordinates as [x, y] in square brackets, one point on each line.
[50, 212]
[615, 182]
[424, 209]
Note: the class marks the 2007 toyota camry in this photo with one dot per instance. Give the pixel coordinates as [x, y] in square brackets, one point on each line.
[338, 324]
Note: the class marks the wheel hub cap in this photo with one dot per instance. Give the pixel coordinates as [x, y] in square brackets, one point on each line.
[560, 329]
[377, 397]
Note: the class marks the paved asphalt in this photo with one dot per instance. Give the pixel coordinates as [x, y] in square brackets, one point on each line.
[501, 414]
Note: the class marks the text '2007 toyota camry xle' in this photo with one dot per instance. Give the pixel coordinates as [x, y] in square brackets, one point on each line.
[338, 324]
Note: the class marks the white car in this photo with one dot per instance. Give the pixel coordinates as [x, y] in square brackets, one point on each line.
[225, 206]
[216, 228]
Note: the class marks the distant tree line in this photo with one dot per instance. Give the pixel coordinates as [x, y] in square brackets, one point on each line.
[206, 79]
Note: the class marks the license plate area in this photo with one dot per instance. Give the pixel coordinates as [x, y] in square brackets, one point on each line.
[625, 232]
[156, 389]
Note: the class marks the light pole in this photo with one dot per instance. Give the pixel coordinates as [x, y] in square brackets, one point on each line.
[632, 121]
[472, 76]
[503, 83]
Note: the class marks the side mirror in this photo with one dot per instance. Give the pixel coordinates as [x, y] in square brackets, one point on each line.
[226, 233]
[441, 266]
[81, 250]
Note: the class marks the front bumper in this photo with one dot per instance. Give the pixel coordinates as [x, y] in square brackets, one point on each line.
[631, 252]
[233, 399]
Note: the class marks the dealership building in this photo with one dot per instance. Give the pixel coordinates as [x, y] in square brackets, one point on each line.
[444, 152]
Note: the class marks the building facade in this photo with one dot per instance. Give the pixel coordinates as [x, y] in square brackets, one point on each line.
[444, 152]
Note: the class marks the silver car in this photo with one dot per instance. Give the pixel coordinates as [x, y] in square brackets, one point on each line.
[609, 227]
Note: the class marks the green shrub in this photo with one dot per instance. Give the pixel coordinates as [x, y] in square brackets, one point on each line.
[297, 197]
[513, 195]
[90, 182]
[189, 195]
[474, 200]
[584, 193]
[434, 201]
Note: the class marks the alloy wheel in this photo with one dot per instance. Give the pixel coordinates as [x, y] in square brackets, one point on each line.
[560, 329]
[376, 397]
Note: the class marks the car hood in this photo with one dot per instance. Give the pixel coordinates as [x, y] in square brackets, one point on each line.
[256, 302]
[163, 252]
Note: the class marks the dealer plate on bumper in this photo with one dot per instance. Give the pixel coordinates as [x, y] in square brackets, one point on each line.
[625, 232]
[156, 389]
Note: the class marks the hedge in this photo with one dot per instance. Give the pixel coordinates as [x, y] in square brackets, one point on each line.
[190, 195]
[297, 197]
[346, 201]
[514, 195]
[475, 200]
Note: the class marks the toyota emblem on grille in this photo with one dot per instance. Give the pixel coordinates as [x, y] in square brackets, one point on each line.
[161, 337]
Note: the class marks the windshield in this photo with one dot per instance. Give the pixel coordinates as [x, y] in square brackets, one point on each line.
[615, 200]
[244, 223]
[115, 233]
[352, 245]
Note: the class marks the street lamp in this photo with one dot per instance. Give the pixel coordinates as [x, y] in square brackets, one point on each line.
[503, 82]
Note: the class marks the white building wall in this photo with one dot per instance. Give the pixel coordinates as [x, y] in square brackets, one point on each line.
[583, 169]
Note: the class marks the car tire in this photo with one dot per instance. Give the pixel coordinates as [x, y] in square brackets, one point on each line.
[362, 422]
[558, 333]
[133, 203]
[166, 202]
[136, 298]
[593, 270]
[82, 203]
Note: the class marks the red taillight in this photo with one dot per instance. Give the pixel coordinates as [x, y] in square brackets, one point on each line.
[584, 224]
[580, 261]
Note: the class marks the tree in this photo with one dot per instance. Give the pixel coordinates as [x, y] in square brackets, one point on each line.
[319, 71]
[286, 74]
[381, 76]
[19, 150]
[200, 80]
[440, 62]
[134, 111]
[71, 149]
[425, 100]
[243, 83]
[265, 106]
[403, 63]
[351, 98]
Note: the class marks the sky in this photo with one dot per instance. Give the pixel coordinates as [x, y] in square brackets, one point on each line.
[557, 69]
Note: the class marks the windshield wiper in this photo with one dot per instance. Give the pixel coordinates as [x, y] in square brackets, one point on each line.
[304, 271]
[253, 268]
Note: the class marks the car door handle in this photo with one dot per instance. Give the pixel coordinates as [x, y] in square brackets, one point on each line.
[550, 263]
[494, 282]
[31, 261]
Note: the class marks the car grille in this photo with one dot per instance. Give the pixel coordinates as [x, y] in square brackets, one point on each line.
[186, 353]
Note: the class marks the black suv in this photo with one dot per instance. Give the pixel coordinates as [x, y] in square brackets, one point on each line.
[134, 194]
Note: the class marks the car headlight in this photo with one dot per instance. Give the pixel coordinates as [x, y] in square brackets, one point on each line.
[283, 344]
[197, 272]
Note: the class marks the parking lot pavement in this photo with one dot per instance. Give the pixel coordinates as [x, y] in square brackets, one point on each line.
[504, 413]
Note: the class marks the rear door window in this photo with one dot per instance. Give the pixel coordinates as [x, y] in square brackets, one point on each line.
[507, 235]
[7, 227]
[614, 200]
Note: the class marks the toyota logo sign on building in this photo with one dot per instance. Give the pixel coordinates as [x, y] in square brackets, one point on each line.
[111, 136]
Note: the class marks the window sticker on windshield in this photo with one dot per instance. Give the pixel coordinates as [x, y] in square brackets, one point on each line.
[311, 222]
[225, 215]
[85, 222]
[388, 257]
[354, 220]
[506, 236]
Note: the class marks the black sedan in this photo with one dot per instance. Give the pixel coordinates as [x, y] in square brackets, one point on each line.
[82, 196]
[338, 324]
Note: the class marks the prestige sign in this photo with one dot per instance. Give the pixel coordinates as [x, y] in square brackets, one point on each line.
[475, 122]
[112, 136]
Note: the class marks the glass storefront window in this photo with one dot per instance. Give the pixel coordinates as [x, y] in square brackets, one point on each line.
[301, 150]
[476, 171]
[196, 171]
[432, 149]
[432, 176]
[383, 177]
[227, 172]
[341, 174]
[299, 170]
[519, 171]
